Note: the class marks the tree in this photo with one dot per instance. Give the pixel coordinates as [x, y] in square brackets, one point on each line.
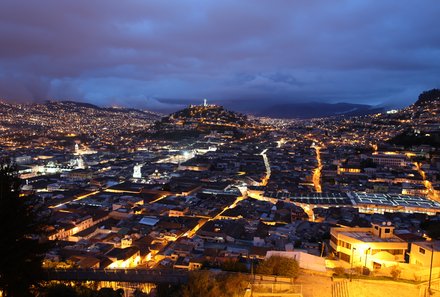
[201, 284]
[233, 265]
[432, 228]
[20, 230]
[167, 290]
[395, 272]
[207, 284]
[58, 290]
[339, 271]
[233, 284]
[277, 265]
[109, 292]
[139, 293]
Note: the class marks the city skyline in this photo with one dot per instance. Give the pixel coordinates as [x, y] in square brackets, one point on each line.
[165, 56]
[219, 148]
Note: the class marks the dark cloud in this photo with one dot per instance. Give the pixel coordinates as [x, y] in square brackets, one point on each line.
[141, 53]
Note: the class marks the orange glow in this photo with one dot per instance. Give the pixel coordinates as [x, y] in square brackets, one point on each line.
[317, 171]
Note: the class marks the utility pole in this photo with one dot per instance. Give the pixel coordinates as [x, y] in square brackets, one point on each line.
[252, 277]
[430, 269]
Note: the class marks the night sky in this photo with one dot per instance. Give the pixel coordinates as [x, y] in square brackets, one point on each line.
[160, 54]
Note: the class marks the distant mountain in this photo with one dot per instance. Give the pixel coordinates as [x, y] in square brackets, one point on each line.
[318, 110]
[71, 103]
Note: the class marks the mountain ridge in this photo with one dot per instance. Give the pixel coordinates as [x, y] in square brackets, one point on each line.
[307, 110]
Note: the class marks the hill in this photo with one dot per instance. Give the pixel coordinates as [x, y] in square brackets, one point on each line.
[428, 97]
[318, 110]
[55, 119]
[419, 123]
[197, 120]
[210, 115]
[87, 107]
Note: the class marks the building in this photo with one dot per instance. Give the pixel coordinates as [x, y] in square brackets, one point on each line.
[80, 175]
[137, 173]
[365, 202]
[388, 159]
[422, 253]
[124, 258]
[372, 247]
[23, 160]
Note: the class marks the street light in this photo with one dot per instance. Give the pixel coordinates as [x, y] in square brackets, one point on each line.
[252, 276]
[322, 248]
[366, 255]
[351, 262]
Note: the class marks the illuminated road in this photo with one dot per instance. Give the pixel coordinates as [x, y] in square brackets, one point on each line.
[192, 232]
[267, 165]
[75, 199]
[233, 205]
[427, 183]
[105, 189]
[317, 171]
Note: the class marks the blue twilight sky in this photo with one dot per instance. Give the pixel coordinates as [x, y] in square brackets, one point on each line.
[161, 54]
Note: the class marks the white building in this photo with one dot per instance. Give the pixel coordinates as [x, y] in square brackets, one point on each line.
[137, 172]
[372, 247]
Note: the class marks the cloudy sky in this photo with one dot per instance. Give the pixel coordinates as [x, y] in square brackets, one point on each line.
[159, 54]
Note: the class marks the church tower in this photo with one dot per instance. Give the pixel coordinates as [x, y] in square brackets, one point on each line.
[137, 173]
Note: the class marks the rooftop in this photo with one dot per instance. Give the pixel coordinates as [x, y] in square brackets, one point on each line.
[369, 237]
[394, 200]
[429, 245]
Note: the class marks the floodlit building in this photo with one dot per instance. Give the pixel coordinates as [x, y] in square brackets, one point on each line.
[371, 247]
[422, 253]
[388, 159]
[124, 258]
[137, 171]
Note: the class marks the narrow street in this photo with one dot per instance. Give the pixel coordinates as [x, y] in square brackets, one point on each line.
[267, 165]
[317, 171]
[427, 183]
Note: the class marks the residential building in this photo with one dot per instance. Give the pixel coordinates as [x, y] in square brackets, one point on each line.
[372, 247]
